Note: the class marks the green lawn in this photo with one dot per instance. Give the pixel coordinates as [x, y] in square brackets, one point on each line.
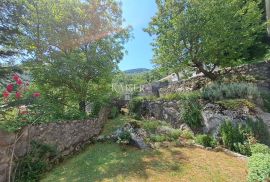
[103, 162]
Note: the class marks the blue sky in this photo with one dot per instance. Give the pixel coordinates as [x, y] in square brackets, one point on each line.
[138, 13]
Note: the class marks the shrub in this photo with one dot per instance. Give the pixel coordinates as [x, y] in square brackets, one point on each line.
[135, 107]
[260, 148]
[158, 138]
[151, 125]
[259, 168]
[124, 137]
[195, 95]
[36, 162]
[205, 140]
[236, 103]
[114, 112]
[259, 130]
[187, 134]
[219, 91]
[266, 101]
[174, 134]
[191, 113]
[235, 137]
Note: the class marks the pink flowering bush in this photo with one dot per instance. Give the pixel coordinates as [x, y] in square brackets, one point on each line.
[16, 102]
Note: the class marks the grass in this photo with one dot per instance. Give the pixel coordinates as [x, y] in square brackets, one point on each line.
[113, 125]
[111, 162]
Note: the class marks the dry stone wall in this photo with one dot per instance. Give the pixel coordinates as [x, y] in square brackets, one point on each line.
[67, 137]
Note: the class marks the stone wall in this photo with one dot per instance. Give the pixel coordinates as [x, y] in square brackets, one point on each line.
[68, 137]
[261, 71]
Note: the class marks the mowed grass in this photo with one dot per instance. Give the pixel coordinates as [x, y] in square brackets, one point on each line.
[111, 162]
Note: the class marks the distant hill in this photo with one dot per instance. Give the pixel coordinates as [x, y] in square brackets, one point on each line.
[137, 70]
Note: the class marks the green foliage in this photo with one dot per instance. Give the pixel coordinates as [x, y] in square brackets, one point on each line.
[151, 125]
[206, 140]
[36, 162]
[124, 137]
[259, 168]
[205, 34]
[135, 107]
[235, 137]
[259, 148]
[259, 130]
[266, 101]
[234, 104]
[192, 113]
[114, 112]
[187, 134]
[158, 138]
[194, 95]
[219, 91]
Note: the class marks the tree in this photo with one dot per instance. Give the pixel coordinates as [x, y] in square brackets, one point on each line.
[76, 45]
[205, 34]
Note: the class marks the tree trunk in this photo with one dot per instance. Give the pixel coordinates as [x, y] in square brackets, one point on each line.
[267, 9]
[209, 74]
[82, 106]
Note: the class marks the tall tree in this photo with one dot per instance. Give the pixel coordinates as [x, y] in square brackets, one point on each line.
[10, 21]
[75, 44]
[205, 34]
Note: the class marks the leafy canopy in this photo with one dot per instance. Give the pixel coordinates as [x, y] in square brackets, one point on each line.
[205, 34]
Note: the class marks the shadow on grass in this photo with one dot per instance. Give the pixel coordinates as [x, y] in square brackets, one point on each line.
[111, 162]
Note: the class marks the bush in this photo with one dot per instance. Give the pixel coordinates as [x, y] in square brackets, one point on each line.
[259, 168]
[260, 148]
[124, 137]
[235, 137]
[158, 138]
[35, 163]
[114, 112]
[151, 125]
[187, 134]
[266, 101]
[205, 140]
[259, 130]
[135, 107]
[195, 95]
[217, 91]
[233, 104]
[192, 113]
[174, 134]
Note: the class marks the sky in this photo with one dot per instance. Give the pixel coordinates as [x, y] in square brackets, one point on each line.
[138, 13]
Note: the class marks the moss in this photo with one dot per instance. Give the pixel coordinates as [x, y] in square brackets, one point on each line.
[234, 104]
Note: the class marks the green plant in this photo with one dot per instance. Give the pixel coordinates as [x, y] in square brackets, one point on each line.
[124, 137]
[187, 134]
[194, 95]
[259, 168]
[114, 112]
[36, 162]
[135, 107]
[151, 125]
[205, 140]
[266, 101]
[235, 137]
[174, 134]
[219, 91]
[192, 113]
[259, 148]
[158, 138]
[259, 130]
[236, 104]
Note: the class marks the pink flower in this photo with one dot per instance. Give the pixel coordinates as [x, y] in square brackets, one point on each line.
[5, 94]
[16, 77]
[18, 95]
[36, 94]
[10, 88]
[19, 82]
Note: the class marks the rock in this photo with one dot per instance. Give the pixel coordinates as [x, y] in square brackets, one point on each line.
[138, 141]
